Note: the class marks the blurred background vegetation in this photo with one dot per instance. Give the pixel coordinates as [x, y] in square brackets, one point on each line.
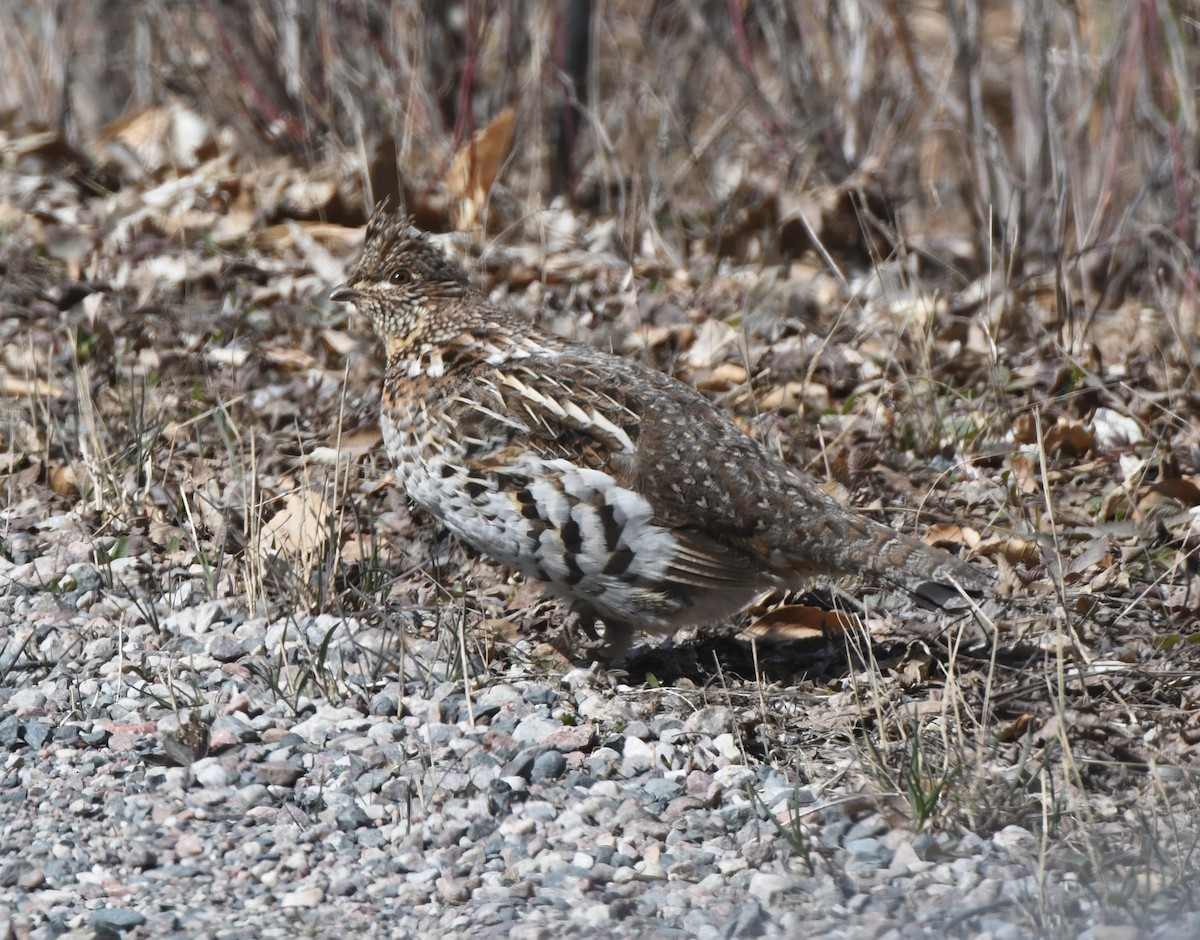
[1019, 137]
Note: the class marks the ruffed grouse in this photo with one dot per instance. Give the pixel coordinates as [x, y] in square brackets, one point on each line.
[622, 489]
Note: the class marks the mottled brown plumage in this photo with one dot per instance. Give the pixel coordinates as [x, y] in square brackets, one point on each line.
[626, 491]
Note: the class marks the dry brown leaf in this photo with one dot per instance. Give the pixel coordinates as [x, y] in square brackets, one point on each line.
[355, 550]
[63, 480]
[502, 629]
[298, 528]
[290, 357]
[652, 337]
[790, 396]
[34, 388]
[1025, 472]
[1097, 553]
[1070, 437]
[715, 342]
[1066, 435]
[1114, 429]
[793, 622]
[951, 535]
[360, 442]
[232, 356]
[339, 342]
[348, 447]
[337, 237]
[720, 378]
[167, 135]
[1016, 551]
[237, 223]
[41, 143]
[1025, 429]
[15, 218]
[1016, 729]
[477, 165]
[1182, 490]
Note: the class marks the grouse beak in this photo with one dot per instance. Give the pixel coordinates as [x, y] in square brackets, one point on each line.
[345, 293]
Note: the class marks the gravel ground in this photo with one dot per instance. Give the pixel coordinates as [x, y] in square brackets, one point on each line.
[154, 784]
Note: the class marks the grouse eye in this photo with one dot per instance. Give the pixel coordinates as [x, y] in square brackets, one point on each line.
[401, 276]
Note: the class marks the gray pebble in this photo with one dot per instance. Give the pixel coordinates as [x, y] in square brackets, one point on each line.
[224, 648]
[10, 732]
[386, 704]
[27, 701]
[116, 920]
[767, 886]
[867, 853]
[352, 817]
[548, 766]
[535, 729]
[210, 772]
[141, 857]
[661, 789]
[85, 576]
[254, 794]
[636, 757]
[35, 733]
[278, 773]
[234, 727]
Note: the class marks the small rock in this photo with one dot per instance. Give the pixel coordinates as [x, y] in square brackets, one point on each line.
[352, 817]
[1021, 889]
[116, 920]
[540, 695]
[766, 886]
[11, 872]
[228, 730]
[928, 849]
[869, 851]
[867, 827]
[549, 766]
[749, 921]
[535, 730]
[254, 794]
[660, 788]
[27, 701]
[595, 915]
[141, 857]
[710, 720]
[97, 737]
[86, 577]
[386, 704]
[67, 736]
[521, 765]
[1111, 932]
[224, 648]
[210, 772]
[572, 737]
[636, 757]
[731, 866]
[278, 773]
[451, 890]
[36, 733]
[305, 897]
[652, 870]
[904, 859]
[1015, 839]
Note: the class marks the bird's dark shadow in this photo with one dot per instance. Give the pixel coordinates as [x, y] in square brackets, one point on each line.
[716, 655]
[706, 660]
